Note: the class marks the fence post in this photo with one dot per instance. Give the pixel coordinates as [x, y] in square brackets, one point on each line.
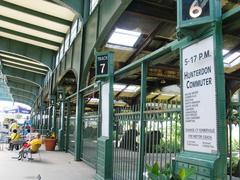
[142, 121]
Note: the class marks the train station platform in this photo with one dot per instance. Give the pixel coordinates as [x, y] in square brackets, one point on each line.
[50, 165]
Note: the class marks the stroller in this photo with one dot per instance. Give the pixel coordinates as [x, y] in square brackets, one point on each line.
[26, 152]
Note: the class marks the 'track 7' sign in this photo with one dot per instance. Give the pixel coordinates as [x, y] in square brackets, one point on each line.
[102, 64]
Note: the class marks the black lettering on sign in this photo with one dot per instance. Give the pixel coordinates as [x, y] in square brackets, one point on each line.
[197, 57]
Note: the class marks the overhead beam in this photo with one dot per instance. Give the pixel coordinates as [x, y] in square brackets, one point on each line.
[35, 13]
[21, 67]
[30, 37]
[32, 26]
[145, 43]
[166, 67]
[155, 97]
[118, 94]
[24, 62]
[26, 100]
[16, 83]
[236, 48]
[230, 21]
[23, 97]
[28, 51]
[14, 89]
[23, 75]
[145, 9]
[75, 5]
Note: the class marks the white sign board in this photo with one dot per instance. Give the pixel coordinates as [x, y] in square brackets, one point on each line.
[199, 97]
[105, 109]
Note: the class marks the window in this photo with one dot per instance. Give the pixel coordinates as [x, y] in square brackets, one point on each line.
[61, 52]
[79, 24]
[124, 37]
[132, 89]
[225, 51]
[118, 87]
[57, 59]
[73, 31]
[93, 4]
[66, 43]
[232, 57]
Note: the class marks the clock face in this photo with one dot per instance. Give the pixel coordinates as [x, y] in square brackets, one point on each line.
[192, 9]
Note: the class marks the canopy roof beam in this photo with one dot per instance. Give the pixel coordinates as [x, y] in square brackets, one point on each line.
[27, 51]
[14, 89]
[32, 26]
[36, 78]
[35, 13]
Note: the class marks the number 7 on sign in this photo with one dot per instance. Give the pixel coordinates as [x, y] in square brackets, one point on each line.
[102, 65]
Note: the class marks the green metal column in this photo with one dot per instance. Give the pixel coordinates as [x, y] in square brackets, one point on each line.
[104, 72]
[67, 127]
[38, 121]
[78, 126]
[221, 164]
[53, 112]
[204, 130]
[41, 119]
[50, 112]
[86, 10]
[62, 120]
[142, 123]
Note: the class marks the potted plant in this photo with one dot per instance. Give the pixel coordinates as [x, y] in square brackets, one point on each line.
[50, 141]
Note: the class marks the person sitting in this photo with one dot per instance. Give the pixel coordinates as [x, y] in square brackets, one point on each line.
[35, 143]
[13, 126]
[28, 136]
[32, 146]
[14, 137]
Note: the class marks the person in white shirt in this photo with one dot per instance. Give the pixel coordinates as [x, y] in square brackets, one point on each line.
[28, 136]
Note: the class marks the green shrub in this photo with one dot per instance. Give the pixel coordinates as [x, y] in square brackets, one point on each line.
[155, 173]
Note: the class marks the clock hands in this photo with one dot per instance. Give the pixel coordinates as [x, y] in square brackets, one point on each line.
[196, 8]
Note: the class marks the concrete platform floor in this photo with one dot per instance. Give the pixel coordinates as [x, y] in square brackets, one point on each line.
[52, 166]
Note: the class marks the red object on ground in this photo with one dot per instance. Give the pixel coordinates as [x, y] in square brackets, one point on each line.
[50, 144]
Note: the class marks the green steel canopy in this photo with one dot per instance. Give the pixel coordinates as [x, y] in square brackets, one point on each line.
[31, 33]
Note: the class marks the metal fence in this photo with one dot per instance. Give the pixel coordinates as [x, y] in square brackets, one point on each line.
[90, 135]
[90, 123]
[162, 137]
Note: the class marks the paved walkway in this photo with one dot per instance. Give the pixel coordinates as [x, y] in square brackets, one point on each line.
[51, 166]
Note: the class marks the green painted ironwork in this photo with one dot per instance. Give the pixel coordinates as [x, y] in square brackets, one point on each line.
[25, 76]
[53, 113]
[94, 36]
[142, 123]
[22, 90]
[162, 139]
[77, 6]
[32, 26]
[34, 38]
[90, 122]
[35, 13]
[89, 125]
[26, 51]
[207, 165]
[60, 99]
[70, 127]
